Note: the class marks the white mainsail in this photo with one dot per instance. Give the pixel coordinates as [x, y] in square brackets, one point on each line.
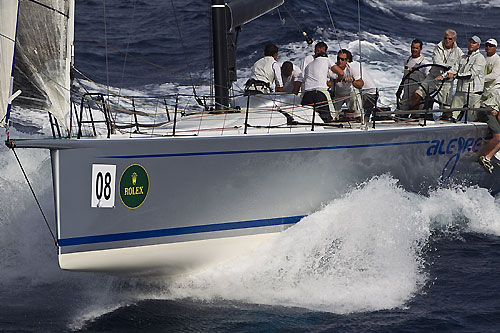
[8, 20]
[44, 54]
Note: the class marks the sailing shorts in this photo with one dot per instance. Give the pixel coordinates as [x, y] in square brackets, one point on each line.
[493, 124]
[492, 121]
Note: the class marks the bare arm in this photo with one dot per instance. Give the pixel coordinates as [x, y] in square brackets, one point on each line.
[359, 83]
[337, 70]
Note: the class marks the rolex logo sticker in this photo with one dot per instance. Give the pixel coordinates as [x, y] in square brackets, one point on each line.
[134, 186]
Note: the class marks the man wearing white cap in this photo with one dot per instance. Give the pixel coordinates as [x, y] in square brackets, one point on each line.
[492, 69]
[469, 72]
[446, 53]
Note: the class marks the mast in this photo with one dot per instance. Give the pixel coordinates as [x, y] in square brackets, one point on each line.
[221, 63]
[226, 17]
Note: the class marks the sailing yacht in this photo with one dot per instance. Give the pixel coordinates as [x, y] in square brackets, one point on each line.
[200, 187]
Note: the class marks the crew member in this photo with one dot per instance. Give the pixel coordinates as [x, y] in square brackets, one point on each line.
[446, 53]
[492, 69]
[316, 76]
[469, 72]
[348, 88]
[320, 47]
[411, 83]
[291, 76]
[492, 146]
[266, 72]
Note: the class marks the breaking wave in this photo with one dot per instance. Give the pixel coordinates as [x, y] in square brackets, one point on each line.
[362, 252]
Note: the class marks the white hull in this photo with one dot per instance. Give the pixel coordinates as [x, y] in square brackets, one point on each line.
[163, 259]
[210, 198]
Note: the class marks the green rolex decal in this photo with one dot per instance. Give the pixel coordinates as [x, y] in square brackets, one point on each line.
[134, 186]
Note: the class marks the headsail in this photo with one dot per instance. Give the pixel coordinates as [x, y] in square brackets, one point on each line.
[8, 20]
[44, 54]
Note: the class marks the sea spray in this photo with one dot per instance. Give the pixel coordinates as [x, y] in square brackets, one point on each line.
[28, 257]
[472, 209]
[362, 252]
[25, 242]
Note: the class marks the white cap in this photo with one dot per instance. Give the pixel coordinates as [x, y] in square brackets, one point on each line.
[492, 41]
[475, 39]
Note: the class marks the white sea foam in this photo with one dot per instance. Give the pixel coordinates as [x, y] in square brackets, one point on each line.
[361, 252]
[19, 219]
[474, 207]
[28, 257]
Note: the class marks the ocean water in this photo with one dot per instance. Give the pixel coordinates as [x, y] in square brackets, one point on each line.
[378, 259]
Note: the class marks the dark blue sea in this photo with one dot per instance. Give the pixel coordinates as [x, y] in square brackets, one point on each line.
[378, 259]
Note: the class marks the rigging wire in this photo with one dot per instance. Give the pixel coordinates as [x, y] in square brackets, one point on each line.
[126, 49]
[333, 24]
[282, 20]
[106, 44]
[184, 52]
[308, 39]
[359, 40]
[360, 91]
[463, 20]
[146, 61]
[211, 52]
[11, 145]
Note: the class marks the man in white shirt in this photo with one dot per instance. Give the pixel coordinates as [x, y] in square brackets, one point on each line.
[356, 88]
[292, 77]
[410, 82]
[316, 77]
[320, 47]
[492, 69]
[266, 72]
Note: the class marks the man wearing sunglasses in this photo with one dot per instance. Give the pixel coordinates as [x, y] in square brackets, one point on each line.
[492, 69]
[469, 72]
[348, 88]
[446, 53]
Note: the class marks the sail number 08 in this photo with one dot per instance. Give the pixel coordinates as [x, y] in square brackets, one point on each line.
[103, 185]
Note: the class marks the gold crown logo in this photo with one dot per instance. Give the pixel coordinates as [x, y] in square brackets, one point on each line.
[134, 178]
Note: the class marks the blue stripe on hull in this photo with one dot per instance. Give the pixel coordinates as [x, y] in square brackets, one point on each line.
[232, 152]
[179, 231]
